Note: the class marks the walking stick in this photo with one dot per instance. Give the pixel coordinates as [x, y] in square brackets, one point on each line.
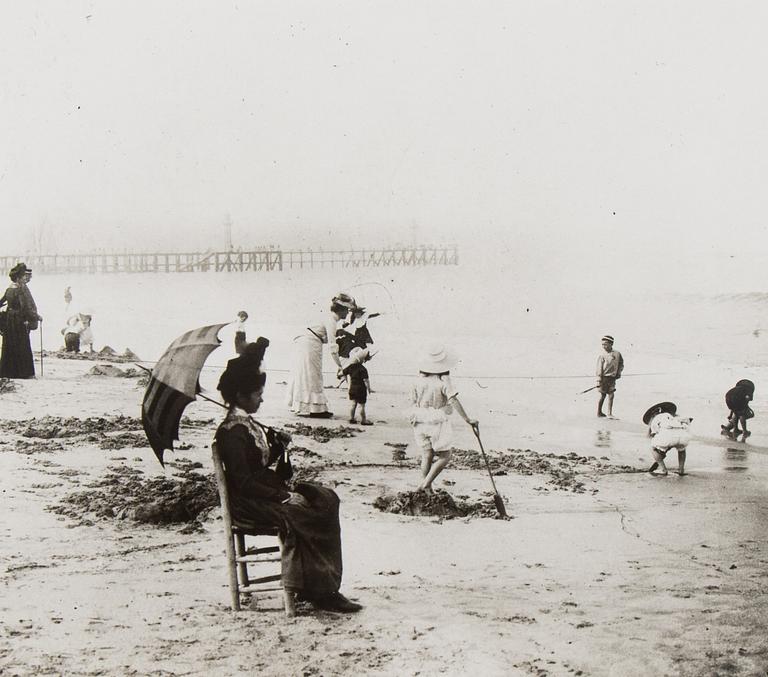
[587, 390]
[497, 500]
[41, 348]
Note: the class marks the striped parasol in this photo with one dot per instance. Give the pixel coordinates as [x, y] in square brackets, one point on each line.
[174, 383]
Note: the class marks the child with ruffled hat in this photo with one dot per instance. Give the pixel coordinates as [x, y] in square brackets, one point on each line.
[434, 397]
[359, 384]
[667, 431]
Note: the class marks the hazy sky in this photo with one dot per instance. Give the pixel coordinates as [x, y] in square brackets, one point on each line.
[610, 129]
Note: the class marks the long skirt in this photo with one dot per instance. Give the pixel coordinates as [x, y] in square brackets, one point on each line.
[16, 360]
[305, 392]
[311, 557]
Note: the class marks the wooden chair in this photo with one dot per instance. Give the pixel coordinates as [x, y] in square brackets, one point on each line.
[239, 557]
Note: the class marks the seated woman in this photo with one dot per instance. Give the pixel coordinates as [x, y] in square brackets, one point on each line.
[308, 518]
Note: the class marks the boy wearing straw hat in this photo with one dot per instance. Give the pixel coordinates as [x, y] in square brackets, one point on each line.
[610, 364]
[359, 385]
[434, 398]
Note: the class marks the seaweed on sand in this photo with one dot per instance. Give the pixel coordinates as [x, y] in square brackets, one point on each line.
[322, 433]
[563, 469]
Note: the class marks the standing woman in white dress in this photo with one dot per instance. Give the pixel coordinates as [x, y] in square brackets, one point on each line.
[305, 392]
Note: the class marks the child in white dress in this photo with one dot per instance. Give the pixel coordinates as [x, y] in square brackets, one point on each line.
[433, 398]
[667, 431]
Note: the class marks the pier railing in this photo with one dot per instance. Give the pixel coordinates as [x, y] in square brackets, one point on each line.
[255, 260]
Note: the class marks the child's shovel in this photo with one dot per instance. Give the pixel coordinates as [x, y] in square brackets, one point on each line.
[497, 500]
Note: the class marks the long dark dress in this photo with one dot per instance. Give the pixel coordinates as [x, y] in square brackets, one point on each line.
[16, 360]
[311, 559]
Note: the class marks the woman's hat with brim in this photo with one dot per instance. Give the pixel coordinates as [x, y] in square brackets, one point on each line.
[747, 385]
[244, 373]
[436, 360]
[344, 300]
[660, 408]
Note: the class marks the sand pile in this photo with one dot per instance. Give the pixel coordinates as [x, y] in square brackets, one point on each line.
[437, 504]
[112, 370]
[123, 493]
[322, 433]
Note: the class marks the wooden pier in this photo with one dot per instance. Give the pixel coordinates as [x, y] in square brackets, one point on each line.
[261, 259]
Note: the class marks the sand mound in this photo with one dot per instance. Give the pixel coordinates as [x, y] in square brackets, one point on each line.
[438, 504]
[124, 494]
[111, 370]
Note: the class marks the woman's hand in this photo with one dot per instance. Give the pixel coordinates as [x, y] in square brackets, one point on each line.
[295, 498]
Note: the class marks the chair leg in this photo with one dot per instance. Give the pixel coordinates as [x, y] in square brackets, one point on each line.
[232, 571]
[242, 567]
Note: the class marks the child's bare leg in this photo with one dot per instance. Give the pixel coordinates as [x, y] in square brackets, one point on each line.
[681, 461]
[363, 418]
[437, 467]
[658, 458]
[426, 464]
[600, 405]
[352, 413]
[743, 421]
[610, 404]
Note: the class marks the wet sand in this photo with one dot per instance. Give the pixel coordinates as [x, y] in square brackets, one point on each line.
[602, 570]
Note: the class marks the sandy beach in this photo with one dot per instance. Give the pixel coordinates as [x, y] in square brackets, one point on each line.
[602, 570]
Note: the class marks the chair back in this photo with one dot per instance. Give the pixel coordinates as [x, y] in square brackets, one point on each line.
[221, 485]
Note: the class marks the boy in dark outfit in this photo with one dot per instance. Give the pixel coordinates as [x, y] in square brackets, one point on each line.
[737, 400]
[359, 385]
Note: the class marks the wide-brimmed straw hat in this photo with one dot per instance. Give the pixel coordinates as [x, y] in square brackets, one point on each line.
[436, 360]
[660, 408]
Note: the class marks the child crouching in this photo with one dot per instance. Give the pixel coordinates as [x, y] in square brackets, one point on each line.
[433, 398]
[667, 431]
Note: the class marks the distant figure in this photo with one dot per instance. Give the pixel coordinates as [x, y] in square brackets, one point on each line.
[72, 334]
[610, 364]
[667, 431]
[359, 384]
[433, 398]
[77, 333]
[86, 333]
[240, 340]
[67, 296]
[22, 317]
[737, 400]
[305, 391]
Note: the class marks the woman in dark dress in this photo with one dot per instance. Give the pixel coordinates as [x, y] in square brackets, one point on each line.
[21, 317]
[308, 518]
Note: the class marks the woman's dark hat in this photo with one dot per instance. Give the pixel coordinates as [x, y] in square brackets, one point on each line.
[747, 385]
[660, 408]
[243, 372]
[18, 269]
[344, 300]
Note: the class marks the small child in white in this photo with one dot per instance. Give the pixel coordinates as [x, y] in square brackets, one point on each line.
[240, 340]
[434, 397]
[667, 431]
